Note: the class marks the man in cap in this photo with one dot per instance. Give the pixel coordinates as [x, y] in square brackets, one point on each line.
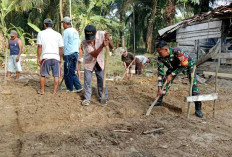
[71, 54]
[128, 60]
[140, 62]
[94, 42]
[177, 61]
[49, 53]
[16, 47]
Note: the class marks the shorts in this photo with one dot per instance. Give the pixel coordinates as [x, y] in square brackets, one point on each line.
[48, 64]
[13, 65]
[132, 69]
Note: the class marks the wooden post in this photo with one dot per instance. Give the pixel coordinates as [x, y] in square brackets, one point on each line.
[6, 62]
[190, 90]
[104, 74]
[216, 82]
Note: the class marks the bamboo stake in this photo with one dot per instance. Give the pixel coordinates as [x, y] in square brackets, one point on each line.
[5, 77]
[103, 100]
[153, 104]
[216, 82]
[190, 90]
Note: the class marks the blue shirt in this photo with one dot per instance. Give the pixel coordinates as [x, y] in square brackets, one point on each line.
[71, 41]
[14, 47]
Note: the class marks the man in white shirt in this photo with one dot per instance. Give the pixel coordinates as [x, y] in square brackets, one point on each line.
[49, 54]
[140, 63]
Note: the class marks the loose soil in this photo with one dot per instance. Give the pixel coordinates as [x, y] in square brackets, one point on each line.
[58, 126]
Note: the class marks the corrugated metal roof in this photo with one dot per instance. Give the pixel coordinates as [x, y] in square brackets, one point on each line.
[220, 12]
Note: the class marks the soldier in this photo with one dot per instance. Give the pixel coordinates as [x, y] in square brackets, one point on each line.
[177, 61]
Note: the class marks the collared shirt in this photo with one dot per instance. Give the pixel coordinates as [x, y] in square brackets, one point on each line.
[71, 41]
[50, 41]
[172, 62]
[142, 59]
[89, 60]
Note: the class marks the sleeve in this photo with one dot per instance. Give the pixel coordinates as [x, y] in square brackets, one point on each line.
[161, 73]
[144, 60]
[65, 38]
[78, 39]
[39, 41]
[123, 59]
[183, 58]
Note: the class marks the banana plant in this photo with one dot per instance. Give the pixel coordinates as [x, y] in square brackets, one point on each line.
[5, 8]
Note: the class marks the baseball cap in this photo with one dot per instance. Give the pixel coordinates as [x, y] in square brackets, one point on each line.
[48, 21]
[90, 32]
[161, 44]
[66, 19]
[13, 33]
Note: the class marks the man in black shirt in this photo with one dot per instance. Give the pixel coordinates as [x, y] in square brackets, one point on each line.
[128, 63]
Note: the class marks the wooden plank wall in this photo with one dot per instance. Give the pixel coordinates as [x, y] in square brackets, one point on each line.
[199, 31]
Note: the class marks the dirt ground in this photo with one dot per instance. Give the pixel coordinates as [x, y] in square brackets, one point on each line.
[58, 126]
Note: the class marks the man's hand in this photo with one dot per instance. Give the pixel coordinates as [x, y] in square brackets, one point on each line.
[17, 59]
[169, 78]
[160, 92]
[38, 61]
[106, 43]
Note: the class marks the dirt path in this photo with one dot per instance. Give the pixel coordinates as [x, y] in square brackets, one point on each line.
[57, 125]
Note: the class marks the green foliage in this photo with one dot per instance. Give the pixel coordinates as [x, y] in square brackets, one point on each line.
[34, 27]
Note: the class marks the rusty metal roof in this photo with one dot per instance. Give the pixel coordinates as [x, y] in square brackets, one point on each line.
[221, 12]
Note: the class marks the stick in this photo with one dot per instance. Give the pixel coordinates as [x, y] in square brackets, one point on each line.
[61, 83]
[216, 82]
[125, 73]
[153, 104]
[5, 79]
[125, 131]
[104, 74]
[190, 90]
[151, 131]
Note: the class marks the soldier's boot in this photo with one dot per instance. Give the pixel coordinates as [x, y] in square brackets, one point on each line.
[198, 112]
[159, 102]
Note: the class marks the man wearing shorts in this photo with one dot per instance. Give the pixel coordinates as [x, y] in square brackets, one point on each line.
[128, 63]
[49, 53]
[15, 46]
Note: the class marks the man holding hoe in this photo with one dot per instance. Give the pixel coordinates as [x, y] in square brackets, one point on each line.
[177, 61]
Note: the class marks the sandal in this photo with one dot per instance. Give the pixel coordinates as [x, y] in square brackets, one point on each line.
[40, 92]
[85, 102]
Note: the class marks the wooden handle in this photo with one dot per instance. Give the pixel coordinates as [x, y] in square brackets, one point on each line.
[104, 74]
[190, 90]
[153, 104]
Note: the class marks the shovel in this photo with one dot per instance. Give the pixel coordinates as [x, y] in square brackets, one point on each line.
[103, 98]
[153, 104]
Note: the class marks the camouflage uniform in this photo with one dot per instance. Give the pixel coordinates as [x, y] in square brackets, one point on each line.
[172, 62]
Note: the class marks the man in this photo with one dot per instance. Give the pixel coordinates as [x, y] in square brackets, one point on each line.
[49, 53]
[140, 63]
[71, 54]
[15, 46]
[128, 63]
[93, 43]
[177, 61]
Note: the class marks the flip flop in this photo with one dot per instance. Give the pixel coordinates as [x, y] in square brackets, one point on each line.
[39, 92]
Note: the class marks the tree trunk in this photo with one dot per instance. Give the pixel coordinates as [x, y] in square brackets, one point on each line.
[151, 28]
[2, 42]
[121, 30]
[170, 11]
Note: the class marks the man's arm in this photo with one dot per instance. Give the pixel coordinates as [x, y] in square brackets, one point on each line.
[61, 52]
[96, 52]
[39, 50]
[132, 62]
[20, 49]
[143, 66]
[124, 64]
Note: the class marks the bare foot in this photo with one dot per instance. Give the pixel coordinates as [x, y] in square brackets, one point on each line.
[40, 92]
